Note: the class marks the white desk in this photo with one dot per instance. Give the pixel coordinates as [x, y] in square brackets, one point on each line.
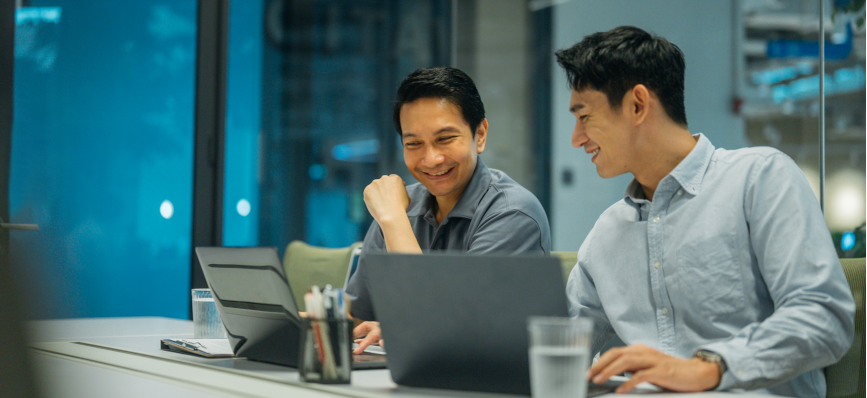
[105, 357]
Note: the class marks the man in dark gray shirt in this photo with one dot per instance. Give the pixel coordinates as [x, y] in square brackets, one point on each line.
[459, 203]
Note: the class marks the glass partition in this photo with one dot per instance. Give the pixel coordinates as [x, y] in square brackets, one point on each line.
[102, 157]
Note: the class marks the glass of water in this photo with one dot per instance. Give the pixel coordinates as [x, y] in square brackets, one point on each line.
[559, 356]
[206, 319]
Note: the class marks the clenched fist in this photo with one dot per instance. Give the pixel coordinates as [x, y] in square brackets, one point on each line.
[386, 198]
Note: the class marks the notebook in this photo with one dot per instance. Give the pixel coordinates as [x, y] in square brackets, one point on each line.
[256, 305]
[459, 321]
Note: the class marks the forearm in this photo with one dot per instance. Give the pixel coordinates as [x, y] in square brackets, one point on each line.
[398, 235]
[784, 346]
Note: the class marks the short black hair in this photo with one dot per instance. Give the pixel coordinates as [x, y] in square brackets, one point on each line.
[450, 84]
[615, 61]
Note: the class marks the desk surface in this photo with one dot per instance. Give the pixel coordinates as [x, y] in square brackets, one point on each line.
[121, 357]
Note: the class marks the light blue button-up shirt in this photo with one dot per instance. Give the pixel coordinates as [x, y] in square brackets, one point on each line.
[732, 256]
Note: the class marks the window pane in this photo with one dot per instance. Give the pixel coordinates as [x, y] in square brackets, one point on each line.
[102, 156]
[322, 76]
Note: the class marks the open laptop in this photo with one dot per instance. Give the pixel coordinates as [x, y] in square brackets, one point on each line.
[459, 321]
[256, 305]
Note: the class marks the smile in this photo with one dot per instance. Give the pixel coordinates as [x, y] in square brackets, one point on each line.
[440, 173]
[595, 152]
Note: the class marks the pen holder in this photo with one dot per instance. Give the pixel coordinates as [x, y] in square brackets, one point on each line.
[326, 351]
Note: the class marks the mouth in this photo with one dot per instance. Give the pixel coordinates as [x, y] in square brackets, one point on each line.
[594, 153]
[439, 174]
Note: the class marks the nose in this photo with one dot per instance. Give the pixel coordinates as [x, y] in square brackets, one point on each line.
[578, 137]
[433, 156]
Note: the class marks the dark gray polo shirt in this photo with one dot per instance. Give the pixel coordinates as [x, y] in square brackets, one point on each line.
[494, 215]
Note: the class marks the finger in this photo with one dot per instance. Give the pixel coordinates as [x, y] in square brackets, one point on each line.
[628, 362]
[382, 343]
[604, 360]
[364, 343]
[637, 377]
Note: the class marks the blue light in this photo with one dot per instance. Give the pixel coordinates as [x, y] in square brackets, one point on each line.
[848, 241]
[358, 151]
[845, 80]
[37, 15]
[317, 172]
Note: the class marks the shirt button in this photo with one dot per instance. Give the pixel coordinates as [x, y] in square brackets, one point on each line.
[680, 192]
[656, 219]
[665, 311]
[656, 265]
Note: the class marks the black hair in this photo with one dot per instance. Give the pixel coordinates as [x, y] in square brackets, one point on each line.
[615, 61]
[441, 82]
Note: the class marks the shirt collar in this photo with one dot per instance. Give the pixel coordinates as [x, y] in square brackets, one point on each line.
[688, 173]
[469, 200]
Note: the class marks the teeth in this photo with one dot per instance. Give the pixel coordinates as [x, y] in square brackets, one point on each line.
[595, 152]
[440, 173]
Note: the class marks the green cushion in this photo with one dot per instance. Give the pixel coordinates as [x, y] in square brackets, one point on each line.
[567, 261]
[307, 265]
[846, 377]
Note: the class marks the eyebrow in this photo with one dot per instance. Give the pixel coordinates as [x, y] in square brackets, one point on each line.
[576, 108]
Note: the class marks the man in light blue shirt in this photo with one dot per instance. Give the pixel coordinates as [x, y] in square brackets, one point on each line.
[717, 268]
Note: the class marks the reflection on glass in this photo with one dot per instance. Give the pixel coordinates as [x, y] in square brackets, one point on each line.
[102, 156]
[781, 96]
[309, 111]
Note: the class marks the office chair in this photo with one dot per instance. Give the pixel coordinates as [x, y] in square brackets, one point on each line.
[846, 377]
[307, 265]
[567, 261]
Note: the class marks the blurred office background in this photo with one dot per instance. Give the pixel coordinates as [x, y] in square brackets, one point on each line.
[104, 142]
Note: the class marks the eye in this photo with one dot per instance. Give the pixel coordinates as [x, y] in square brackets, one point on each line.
[412, 144]
[447, 138]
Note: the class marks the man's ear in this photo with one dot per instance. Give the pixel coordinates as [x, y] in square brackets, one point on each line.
[637, 103]
[481, 136]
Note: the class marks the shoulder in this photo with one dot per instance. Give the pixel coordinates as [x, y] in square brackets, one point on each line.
[752, 163]
[749, 157]
[504, 195]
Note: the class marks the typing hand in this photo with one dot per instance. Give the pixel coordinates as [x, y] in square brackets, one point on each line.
[647, 364]
[371, 333]
[386, 198]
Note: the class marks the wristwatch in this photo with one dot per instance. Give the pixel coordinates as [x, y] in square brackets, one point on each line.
[710, 356]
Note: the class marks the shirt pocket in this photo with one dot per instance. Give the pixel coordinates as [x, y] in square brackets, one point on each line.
[710, 275]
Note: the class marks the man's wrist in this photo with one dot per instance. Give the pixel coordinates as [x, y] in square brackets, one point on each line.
[714, 366]
[708, 372]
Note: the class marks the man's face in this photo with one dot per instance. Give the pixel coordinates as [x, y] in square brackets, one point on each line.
[602, 131]
[438, 146]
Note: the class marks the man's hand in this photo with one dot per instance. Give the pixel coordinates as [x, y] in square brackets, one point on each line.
[386, 198]
[647, 364]
[372, 332]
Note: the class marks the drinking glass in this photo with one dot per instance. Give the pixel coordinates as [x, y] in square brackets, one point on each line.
[206, 319]
[559, 356]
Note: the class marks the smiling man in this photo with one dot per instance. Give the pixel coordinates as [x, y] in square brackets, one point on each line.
[459, 204]
[716, 267]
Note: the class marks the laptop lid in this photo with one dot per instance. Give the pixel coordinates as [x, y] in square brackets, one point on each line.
[256, 305]
[254, 301]
[459, 321]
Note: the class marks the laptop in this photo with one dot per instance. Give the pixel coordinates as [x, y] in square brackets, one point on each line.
[257, 307]
[459, 321]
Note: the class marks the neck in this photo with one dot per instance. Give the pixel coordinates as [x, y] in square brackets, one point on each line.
[664, 149]
[445, 204]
